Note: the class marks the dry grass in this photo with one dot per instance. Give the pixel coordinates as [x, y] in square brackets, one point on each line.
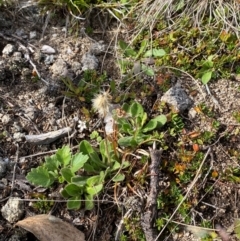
[212, 12]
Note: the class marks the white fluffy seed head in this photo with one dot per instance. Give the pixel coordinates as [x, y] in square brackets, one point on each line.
[101, 103]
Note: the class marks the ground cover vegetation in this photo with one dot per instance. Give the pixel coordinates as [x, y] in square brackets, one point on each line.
[196, 39]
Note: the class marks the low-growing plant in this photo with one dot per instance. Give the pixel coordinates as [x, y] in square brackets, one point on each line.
[131, 55]
[42, 206]
[86, 87]
[133, 127]
[83, 174]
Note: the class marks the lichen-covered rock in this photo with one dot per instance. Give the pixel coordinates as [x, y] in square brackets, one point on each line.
[177, 98]
[13, 210]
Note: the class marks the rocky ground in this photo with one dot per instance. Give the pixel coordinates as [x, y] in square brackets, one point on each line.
[33, 59]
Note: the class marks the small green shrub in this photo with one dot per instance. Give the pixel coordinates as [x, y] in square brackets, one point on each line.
[134, 128]
[83, 174]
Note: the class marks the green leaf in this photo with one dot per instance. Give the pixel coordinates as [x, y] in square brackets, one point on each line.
[85, 147]
[89, 168]
[144, 44]
[73, 189]
[144, 118]
[123, 45]
[124, 126]
[148, 71]
[92, 181]
[127, 141]
[155, 53]
[119, 177]
[65, 194]
[126, 107]
[206, 77]
[67, 174]
[94, 189]
[116, 166]
[89, 204]
[96, 162]
[78, 161]
[128, 52]
[136, 110]
[79, 180]
[64, 155]
[51, 163]
[151, 125]
[40, 177]
[157, 122]
[74, 202]
[126, 164]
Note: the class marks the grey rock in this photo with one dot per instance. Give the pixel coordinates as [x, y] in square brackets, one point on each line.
[89, 61]
[178, 98]
[5, 119]
[48, 59]
[97, 48]
[59, 68]
[33, 34]
[13, 210]
[20, 32]
[8, 49]
[3, 168]
[46, 49]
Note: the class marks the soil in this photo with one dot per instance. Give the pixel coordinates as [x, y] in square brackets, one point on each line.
[29, 105]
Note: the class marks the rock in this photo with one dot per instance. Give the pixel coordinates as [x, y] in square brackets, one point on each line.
[17, 57]
[59, 68]
[48, 59]
[76, 67]
[46, 49]
[178, 98]
[33, 34]
[20, 32]
[5, 119]
[13, 210]
[89, 61]
[8, 49]
[3, 168]
[97, 48]
[192, 113]
[18, 136]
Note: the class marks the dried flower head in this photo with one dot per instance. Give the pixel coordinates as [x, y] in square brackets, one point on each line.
[101, 103]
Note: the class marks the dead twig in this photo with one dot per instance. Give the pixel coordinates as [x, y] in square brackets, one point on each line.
[149, 216]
